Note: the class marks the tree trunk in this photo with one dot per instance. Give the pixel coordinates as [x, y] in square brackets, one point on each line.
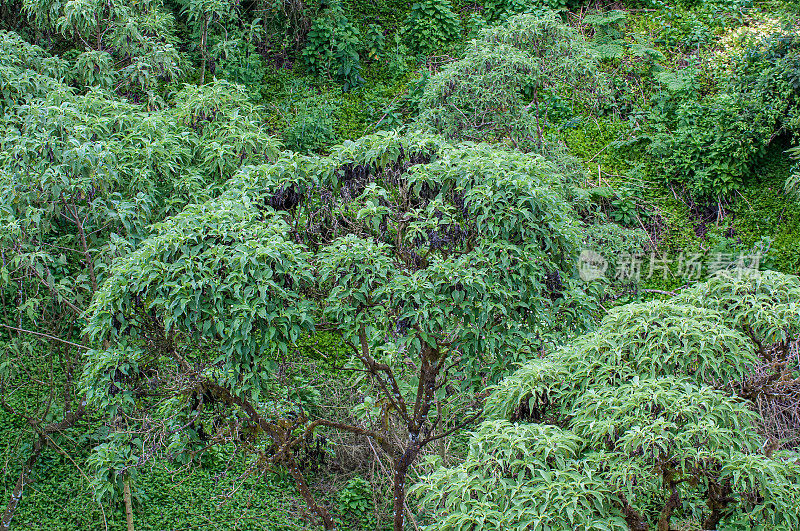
[400, 472]
[429, 371]
[126, 495]
[23, 480]
[718, 500]
[321, 511]
[669, 508]
[633, 517]
[204, 50]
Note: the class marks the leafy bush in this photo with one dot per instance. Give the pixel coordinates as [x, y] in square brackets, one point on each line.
[28, 72]
[498, 10]
[238, 61]
[202, 16]
[228, 125]
[95, 69]
[332, 46]
[495, 92]
[113, 463]
[608, 39]
[430, 25]
[138, 36]
[638, 424]
[768, 74]
[374, 42]
[710, 145]
[83, 176]
[355, 500]
[311, 128]
[793, 182]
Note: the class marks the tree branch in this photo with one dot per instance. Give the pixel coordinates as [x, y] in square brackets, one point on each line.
[454, 429]
[41, 334]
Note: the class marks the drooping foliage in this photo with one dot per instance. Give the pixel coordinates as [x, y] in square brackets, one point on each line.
[645, 422]
[128, 46]
[111, 168]
[495, 92]
[83, 174]
[412, 249]
[27, 71]
[175, 291]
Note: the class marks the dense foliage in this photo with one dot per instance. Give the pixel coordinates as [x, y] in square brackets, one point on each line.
[271, 265]
[712, 140]
[448, 258]
[641, 423]
[496, 90]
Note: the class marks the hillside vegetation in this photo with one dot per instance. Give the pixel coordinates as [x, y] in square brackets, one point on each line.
[514, 264]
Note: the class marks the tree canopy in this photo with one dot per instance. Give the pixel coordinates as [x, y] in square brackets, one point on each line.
[445, 257]
[643, 422]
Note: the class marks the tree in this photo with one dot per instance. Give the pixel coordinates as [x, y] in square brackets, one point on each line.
[27, 71]
[201, 14]
[497, 90]
[83, 176]
[428, 260]
[645, 420]
[128, 46]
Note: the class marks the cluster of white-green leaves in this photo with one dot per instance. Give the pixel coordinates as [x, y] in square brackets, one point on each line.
[129, 46]
[640, 423]
[104, 166]
[500, 89]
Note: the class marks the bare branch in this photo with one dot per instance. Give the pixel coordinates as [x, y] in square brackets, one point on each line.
[41, 334]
